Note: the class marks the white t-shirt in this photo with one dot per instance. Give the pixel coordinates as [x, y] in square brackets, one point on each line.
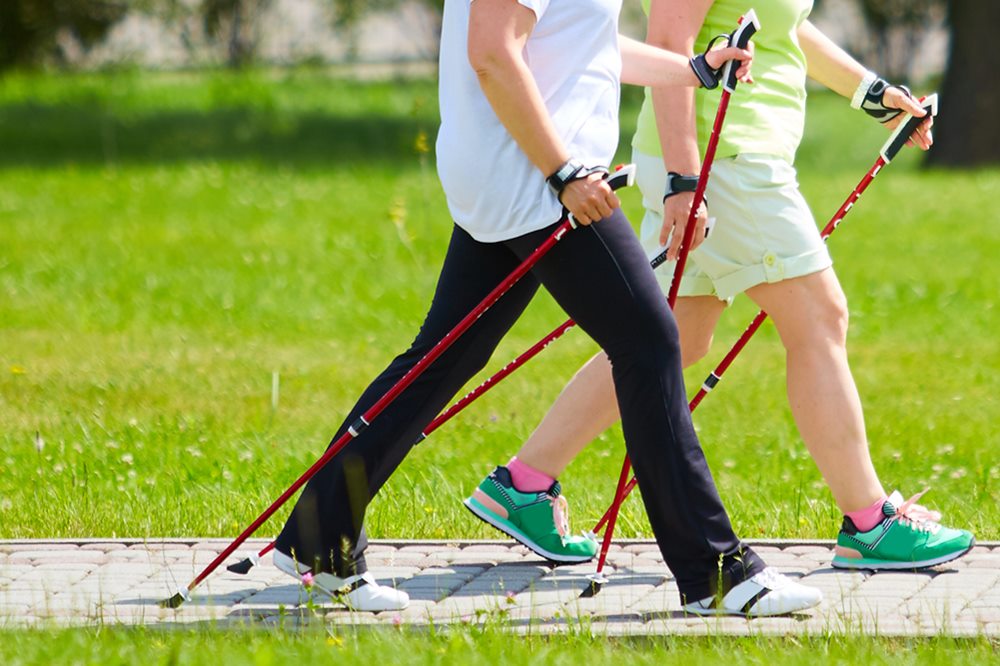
[494, 192]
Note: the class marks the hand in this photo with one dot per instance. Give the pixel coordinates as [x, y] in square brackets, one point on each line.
[589, 199]
[896, 98]
[676, 211]
[719, 56]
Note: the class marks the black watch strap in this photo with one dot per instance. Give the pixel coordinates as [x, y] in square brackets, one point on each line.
[564, 175]
[677, 183]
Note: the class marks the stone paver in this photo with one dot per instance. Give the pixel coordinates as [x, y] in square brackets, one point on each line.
[119, 582]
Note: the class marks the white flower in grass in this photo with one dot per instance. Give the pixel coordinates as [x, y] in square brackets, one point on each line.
[6, 504]
[127, 458]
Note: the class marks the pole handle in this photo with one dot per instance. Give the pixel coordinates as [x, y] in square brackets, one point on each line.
[748, 27]
[905, 129]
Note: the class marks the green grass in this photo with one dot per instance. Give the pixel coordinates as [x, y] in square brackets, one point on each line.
[466, 646]
[169, 241]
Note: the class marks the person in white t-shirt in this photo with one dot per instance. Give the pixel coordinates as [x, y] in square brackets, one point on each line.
[529, 100]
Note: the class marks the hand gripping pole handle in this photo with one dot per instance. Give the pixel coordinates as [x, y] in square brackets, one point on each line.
[905, 129]
[748, 27]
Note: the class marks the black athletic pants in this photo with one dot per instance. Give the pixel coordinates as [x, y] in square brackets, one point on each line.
[600, 276]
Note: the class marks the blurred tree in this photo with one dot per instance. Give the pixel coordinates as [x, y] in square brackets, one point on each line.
[237, 22]
[30, 29]
[966, 132]
[898, 27]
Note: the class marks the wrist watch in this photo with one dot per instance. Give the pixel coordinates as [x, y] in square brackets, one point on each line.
[563, 175]
[676, 183]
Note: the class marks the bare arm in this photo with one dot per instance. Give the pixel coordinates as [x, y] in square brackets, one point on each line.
[674, 25]
[835, 68]
[498, 32]
[647, 65]
[828, 63]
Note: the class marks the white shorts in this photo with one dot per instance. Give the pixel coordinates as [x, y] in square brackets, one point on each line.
[763, 229]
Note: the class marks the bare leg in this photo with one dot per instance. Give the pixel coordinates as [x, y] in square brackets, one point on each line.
[587, 405]
[811, 317]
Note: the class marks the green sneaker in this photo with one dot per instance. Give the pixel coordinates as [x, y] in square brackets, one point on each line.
[909, 537]
[539, 520]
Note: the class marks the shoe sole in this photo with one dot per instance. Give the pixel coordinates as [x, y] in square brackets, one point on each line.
[487, 516]
[716, 612]
[877, 565]
[286, 565]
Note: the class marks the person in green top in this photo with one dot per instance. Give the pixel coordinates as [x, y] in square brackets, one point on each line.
[764, 243]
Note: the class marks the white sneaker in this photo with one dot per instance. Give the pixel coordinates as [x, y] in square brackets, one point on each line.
[767, 593]
[360, 593]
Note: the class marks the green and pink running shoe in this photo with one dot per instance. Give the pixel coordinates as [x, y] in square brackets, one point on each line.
[539, 520]
[909, 537]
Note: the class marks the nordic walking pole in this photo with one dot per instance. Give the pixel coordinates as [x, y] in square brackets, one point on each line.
[889, 150]
[748, 26]
[623, 177]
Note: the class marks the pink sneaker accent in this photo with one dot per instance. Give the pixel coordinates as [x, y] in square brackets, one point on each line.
[489, 503]
[867, 518]
[527, 479]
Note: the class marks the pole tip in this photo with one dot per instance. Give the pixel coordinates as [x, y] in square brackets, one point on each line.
[597, 581]
[591, 590]
[183, 594]
[173, 602]
[242, 567]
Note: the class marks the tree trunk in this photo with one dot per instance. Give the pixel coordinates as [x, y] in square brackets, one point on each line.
[967, 132]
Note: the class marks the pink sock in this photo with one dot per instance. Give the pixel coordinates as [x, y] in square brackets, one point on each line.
[867, 518]
[527, 479]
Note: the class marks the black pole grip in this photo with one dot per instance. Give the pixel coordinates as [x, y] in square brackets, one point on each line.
[748, 27]
[905, 130]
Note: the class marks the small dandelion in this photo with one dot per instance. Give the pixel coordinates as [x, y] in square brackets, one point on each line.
[334, 641]
[17, 369]
[420, 144]
[428, 509]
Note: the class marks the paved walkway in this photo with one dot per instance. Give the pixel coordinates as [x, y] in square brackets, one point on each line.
[119, 582]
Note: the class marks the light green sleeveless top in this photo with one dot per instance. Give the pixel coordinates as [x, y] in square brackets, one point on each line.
[766, 117]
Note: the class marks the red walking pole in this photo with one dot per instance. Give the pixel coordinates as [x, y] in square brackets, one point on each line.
[623, 177]
[740, 38]
[889, 150]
